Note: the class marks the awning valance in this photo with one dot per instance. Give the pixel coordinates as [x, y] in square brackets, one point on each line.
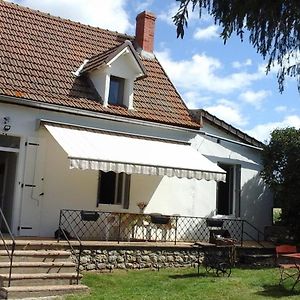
[91, 149]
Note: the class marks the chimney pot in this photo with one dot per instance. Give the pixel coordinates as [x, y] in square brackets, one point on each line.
[144, 32]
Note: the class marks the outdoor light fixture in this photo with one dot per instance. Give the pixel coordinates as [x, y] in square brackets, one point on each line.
[6, 126]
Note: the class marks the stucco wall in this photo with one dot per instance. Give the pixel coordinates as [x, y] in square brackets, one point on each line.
[60, 187]
[256, 198]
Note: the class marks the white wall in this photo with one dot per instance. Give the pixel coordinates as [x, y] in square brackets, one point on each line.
[66, 188]
[256, 198]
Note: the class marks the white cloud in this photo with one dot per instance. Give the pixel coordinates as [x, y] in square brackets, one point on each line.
[204, 73]
[194, 99]
[142, 5]
[167, 15]
[228, 111]
[239, 65]
[255, 98]
[207, 33]
[262, 131]
[280, 108]
[105, 14]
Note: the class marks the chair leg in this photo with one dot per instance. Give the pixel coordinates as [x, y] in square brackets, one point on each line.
[296, 281]
[281, 276]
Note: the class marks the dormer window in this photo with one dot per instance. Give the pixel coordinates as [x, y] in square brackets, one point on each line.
[113, 74]
[116, 90]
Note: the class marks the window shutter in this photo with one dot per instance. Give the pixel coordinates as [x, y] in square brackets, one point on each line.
[126, 191]
[238, 190]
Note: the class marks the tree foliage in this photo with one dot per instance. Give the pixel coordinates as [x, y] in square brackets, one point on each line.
[273, 26]
[281, 161]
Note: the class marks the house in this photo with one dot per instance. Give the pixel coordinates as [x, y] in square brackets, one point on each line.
[244, 194]
[90, 121]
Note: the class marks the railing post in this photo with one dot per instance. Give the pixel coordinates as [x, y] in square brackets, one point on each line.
[79, 260]
[119, 228]
[11, 262]
[242, 237]
[59, 225]
[176, 224]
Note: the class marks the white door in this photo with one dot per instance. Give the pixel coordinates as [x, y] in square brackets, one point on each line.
[32, 189]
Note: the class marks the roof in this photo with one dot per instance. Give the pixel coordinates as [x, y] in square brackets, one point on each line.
[39, 54]
[105, 57]
[204, 116]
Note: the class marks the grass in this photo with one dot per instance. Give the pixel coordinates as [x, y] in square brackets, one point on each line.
[181, 284]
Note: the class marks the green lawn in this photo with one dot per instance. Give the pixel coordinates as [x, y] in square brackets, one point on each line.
[186, 284]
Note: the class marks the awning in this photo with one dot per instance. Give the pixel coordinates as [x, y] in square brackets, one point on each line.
[91, 149]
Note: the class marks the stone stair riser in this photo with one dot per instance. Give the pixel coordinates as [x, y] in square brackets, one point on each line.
[33, 270]
[36, 247]
[39, 282]
[34, 294]
[48, 258]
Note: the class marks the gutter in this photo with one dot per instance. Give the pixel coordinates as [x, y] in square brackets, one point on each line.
[75, 111]
[219, 138]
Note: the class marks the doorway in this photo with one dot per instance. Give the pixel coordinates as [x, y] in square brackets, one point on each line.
[228, 193]
[8, 163]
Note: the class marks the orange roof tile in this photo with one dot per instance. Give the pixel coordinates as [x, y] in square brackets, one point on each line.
[39, 52]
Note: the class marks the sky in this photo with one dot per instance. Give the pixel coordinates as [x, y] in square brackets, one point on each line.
[229, 81]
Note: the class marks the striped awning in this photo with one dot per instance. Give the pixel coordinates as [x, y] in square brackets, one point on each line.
[91, 149]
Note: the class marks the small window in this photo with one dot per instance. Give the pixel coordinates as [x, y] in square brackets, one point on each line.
[113, 188]
[116, 90]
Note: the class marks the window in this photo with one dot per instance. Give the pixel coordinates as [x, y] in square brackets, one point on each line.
[116, 90]
[113, 188]
[228, 193]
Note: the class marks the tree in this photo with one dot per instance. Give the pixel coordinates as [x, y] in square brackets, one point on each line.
[273, 26]
[281, 171]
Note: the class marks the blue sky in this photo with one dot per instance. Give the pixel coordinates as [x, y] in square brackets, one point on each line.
[227, 80]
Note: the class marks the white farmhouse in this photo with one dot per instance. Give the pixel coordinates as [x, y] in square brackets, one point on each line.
[90, 121]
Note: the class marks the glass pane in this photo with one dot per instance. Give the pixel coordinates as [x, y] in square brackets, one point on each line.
[116, 87]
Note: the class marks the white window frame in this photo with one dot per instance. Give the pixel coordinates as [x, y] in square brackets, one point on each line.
[124, 193]
[233, 193]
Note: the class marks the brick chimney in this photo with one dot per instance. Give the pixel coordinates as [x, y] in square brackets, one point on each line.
[144, 32]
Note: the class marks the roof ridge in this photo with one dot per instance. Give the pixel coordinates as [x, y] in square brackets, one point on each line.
[57, 18]
[204, 113]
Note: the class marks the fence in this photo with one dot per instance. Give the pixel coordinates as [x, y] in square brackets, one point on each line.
[129, 227]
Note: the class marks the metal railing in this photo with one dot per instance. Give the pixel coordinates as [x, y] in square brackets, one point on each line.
[10, 252]
[112, 226]
[249, 230]
[67, 235]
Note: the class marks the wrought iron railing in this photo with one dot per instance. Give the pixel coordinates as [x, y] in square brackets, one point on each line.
[10, 252]
[253, 233]
[112, 226]
[67, 235]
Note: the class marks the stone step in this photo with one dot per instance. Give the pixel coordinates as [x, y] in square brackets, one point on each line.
[23, 292]
[35, 255]
[39, 279]
[38, 267]
[37, 245]
[257, 260]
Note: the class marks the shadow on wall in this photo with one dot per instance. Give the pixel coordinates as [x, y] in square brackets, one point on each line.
[143, 190]
[256, 203]
[193, 228]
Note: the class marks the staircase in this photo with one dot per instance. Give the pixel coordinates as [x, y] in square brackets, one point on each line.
[39, 269]
[256, 255]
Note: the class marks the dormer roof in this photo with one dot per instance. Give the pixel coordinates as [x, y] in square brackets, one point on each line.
[107, 57]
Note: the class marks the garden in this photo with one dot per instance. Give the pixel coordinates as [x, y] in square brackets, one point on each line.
[185, 283]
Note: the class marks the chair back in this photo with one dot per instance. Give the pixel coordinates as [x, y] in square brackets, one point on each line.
[285, 249]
